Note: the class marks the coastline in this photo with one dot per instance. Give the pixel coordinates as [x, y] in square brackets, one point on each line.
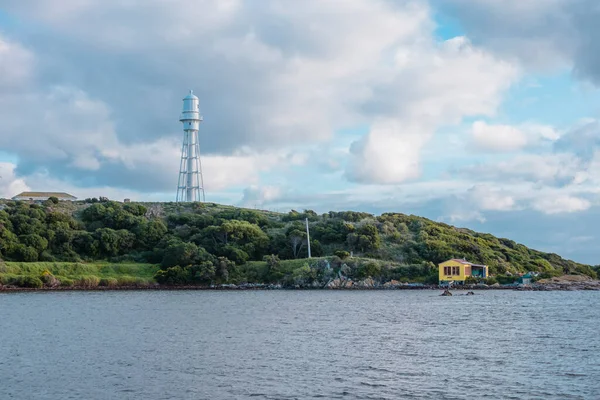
[545, 287]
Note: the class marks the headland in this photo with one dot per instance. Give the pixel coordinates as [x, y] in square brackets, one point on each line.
[99, 244]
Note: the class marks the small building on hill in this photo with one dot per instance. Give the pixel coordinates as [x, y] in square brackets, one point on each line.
[42, 196]
[458, 270]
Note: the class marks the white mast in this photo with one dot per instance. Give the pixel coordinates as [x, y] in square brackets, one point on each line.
[191, 183]
[308, 238]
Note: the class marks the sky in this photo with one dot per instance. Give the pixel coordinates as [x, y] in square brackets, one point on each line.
[478, 113]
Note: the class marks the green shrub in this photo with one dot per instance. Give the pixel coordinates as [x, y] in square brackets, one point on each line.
[108, 282]
[6, 278]
[65, 282]
[88, 281]
[549, 274]
[586, 270]
[46, 256]
[172, 276]
[370, 269]
[301, 276]
[491, 281]
[506, 279]
[25, 281]
[342, 254]
[432, 279]
[132, 281]
[3, 268]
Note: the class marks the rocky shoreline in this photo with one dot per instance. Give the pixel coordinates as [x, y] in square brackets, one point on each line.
[554, 284]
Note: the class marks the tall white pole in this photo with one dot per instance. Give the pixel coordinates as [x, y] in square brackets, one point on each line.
[308, 238]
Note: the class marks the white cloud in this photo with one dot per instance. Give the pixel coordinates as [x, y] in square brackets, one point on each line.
[444, 83]
[16, 64]
[488, 198]
[388, 154]
[61, 124]
[10, 185]
[498, 137]
[464, 216]
[260, 195]
[545, 168]
[508, 138]
[238, 169]
[561, 204]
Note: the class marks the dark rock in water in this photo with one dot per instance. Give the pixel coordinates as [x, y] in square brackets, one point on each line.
[446, 293]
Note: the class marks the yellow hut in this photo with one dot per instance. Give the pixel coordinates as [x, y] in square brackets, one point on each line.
[458, 270]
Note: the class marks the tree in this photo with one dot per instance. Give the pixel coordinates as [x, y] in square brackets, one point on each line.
[86, 244]
[34, 240]
[297, 240]
[135, 209]
[149, 233]
[173, 276]
[24, 253]
[8, 241]
[273, 272]
[369, 269]
[108, 241]
[316, 249]
[205, 272]
[181, 254]
[235, 254]
[369, 238]
[242, 234]
[224, 268]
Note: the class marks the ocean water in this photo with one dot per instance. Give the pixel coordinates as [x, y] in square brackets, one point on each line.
[299, 345]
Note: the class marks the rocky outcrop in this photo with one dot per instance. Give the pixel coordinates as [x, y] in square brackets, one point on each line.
[346, 283]
[565, 282]
[368, 283]
[340, 283]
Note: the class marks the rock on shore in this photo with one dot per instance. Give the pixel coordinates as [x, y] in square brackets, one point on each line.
[569, 282]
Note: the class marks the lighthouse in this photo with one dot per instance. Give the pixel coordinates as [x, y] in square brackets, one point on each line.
[190, 186]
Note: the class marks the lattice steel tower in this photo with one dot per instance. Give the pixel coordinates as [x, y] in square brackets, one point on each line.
[191, 184]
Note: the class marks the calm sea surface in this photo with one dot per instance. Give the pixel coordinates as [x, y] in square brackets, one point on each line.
[300, 345]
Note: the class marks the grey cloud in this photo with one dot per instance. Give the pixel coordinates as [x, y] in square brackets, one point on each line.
[541, 33]
[570, 155]
[548, 169]
[583, 140]
[267, 76]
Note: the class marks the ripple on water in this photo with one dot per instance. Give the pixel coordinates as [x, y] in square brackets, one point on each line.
[298, 345]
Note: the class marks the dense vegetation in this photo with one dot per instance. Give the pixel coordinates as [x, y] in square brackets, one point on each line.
[213, 244]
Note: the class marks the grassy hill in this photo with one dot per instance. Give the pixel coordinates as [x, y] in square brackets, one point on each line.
[207, 243]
